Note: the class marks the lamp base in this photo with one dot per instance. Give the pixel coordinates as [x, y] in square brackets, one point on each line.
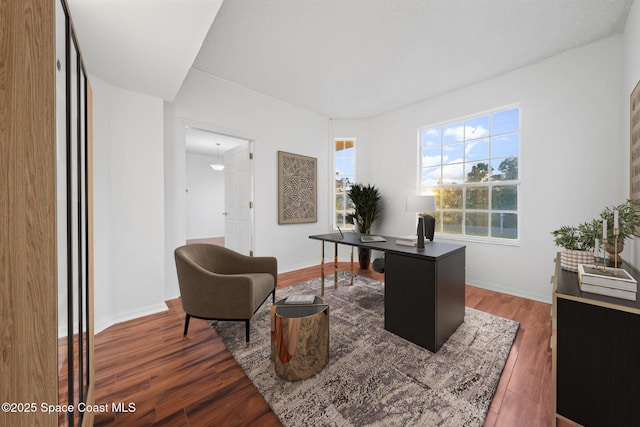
[420, 232]
[426, 228]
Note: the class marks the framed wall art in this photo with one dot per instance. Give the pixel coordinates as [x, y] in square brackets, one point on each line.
[297, 188]
[634, 172]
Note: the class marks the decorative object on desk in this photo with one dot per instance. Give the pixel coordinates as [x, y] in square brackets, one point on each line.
[375, 377]
[411, 240]
[367, 207]
[614, 282]
[426, 223]
[297, 188]
[576, 243]
[628, 220]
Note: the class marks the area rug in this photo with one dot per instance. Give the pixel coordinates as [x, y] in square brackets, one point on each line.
[375, 378]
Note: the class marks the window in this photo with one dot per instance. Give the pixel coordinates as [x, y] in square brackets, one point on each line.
[471, 165]
[344, 168]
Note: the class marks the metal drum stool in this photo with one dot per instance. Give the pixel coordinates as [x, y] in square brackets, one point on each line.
[299, 339]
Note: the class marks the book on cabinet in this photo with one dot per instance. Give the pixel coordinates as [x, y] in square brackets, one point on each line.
[614, 282]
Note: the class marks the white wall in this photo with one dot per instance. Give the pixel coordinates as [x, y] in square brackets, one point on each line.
[129, 204]
[175, 230]
[630, 78]
[103, 297]
[574, 161]
[216, 105]
[570, 157]
[205, 197]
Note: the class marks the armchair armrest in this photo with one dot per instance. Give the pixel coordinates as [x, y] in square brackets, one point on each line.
[229, 262]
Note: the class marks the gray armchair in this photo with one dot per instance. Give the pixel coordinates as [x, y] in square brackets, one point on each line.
[217, 283]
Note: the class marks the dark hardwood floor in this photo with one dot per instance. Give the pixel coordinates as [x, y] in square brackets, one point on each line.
[196, 382]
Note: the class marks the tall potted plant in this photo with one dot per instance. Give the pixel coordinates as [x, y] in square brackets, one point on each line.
[367, 206]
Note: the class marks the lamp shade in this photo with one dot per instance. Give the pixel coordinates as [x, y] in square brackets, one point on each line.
[421, 203]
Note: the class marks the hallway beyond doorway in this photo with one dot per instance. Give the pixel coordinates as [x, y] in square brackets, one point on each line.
[211, 240]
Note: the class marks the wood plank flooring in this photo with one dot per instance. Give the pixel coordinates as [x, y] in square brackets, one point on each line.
[196, 382]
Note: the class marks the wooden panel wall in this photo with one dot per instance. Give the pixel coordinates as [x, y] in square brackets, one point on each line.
[28, 300]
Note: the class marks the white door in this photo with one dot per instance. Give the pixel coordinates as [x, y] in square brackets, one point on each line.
[238, 199]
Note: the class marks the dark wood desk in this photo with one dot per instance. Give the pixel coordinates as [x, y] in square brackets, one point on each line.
[424, 290]
[596, 352]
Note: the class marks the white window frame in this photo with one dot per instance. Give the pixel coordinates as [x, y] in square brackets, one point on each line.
[334, 173]
[490, 184]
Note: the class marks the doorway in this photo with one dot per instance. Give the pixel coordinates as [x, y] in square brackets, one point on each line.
[219, 189]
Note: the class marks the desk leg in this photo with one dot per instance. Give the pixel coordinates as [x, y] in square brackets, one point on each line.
[322, 270]
[352, 265]
[335, 267]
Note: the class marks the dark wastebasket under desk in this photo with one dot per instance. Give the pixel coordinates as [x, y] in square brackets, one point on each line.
[424, 297]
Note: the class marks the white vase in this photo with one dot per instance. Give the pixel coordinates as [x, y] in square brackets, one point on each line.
[569, 259]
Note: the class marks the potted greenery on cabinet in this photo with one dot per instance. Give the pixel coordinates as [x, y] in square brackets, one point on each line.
[367, 206]
[577, 244]
[628, 221]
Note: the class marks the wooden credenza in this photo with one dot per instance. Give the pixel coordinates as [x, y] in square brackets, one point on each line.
[596, 355]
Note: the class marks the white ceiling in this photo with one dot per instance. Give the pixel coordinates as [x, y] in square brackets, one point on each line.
[198, 141]
[144, 45]
[338, 58]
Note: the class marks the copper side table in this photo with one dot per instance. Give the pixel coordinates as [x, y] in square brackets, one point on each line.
[299, 339]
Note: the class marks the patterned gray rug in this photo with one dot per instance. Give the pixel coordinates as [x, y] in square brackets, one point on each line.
[375, 378]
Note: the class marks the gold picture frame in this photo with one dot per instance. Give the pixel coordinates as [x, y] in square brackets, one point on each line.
[297, 188]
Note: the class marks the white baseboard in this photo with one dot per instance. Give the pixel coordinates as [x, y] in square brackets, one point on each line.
[542, 297]
[172, 295]
[129, 315]
[300, 266]
[545, 298]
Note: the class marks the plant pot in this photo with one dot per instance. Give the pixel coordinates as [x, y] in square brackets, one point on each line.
[569, 259]
[610, 248]
[364, 257]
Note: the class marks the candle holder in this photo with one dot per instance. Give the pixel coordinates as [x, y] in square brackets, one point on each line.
[616, 233]
[604, 258]
[596, 259]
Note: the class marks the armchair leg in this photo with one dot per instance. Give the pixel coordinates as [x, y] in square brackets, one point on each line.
[247, 324]
[273, 296]
[186, 326]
